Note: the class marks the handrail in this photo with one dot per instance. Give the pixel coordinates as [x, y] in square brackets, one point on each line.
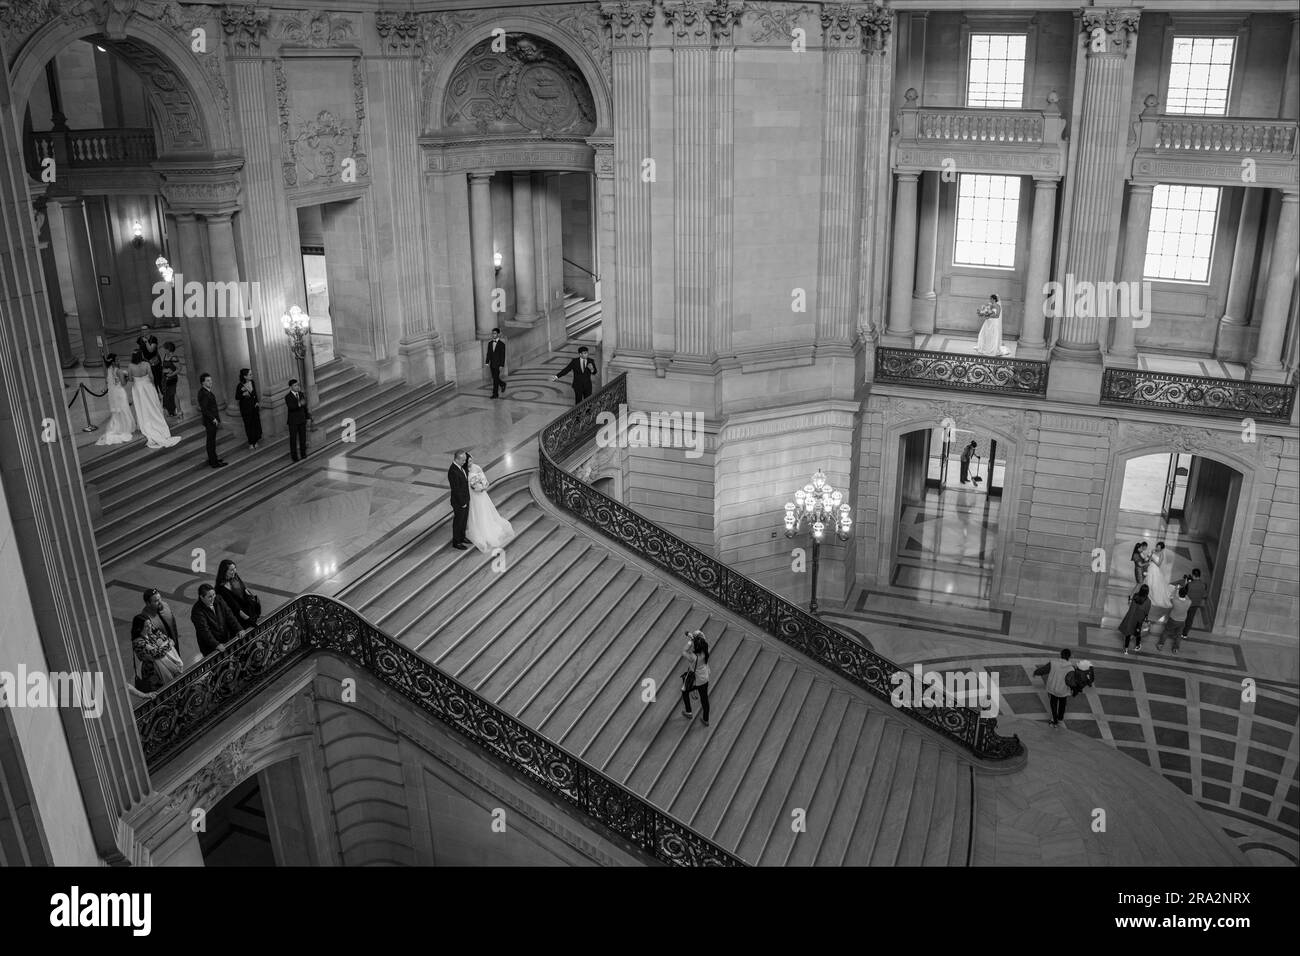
[736, 592]
[311, 624]
[968, 373]
[581, 268]
[1171, 391]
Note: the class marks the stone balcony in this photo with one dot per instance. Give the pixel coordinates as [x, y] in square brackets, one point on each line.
[1010, 142]
[94, 148]
[1215, 150]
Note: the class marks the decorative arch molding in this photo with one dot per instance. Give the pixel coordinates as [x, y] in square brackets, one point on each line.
[448, 39]
[180, 88]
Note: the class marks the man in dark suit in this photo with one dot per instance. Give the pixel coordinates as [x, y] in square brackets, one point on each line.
[583, 369]
[207, 403]
[299, 414]
[157, 612]
[496, 361]
[214, 625]
[458, 479]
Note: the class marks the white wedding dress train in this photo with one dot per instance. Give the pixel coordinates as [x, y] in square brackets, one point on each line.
[121, 426]
[990, 338]
[149, 412]
[486, 529]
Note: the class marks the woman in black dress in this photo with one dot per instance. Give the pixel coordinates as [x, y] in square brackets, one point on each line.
[243, 603]
[249, 407]
[1139, 606]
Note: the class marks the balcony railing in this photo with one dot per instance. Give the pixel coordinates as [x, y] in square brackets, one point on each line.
[734, 591]
[975, 140]
[311, 624]
[966, 373]
[1227, 398]
[95, 148]
[975, 126]
[1216, 134]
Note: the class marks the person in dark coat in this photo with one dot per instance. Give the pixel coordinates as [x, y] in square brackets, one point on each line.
[207, 402]
[299, 414]
[149, 350]
[458, 481]
[214, 625]
[496, 361]
[1139, 606]
[171, 379]
[583, 369]
[249, 407]
[243, 603]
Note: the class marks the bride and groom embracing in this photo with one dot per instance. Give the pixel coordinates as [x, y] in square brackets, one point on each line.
[474, 518]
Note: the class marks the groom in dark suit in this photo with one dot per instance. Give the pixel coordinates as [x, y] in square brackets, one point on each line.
[583, 369]
[207, 403]
[458, 479]
[496, 361]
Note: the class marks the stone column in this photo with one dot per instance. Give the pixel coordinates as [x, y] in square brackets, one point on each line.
[876, 24]
[1122, 347]
[1041, 234]
[480, 215]
[723, 16]
[1236, 306]
[1290, 108]
[52, 552]
[1100, 137]
[607, 289]
[521, 206]
[70, 242]
[924, 297]
[1267, 365]
[205, 353]
[904, 251]
[231, 333]
[629, 24]
[839, 257]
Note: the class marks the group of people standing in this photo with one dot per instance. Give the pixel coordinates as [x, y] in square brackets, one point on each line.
[581, 368]
[222, 612]
[250, 411]
[142, 394]
[1152, 570]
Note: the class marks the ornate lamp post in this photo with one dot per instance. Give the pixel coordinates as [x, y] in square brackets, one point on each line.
[819, 509]
[297, 325]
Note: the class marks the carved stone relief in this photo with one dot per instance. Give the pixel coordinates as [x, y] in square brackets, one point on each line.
[776, 22]
[315, 149]
[533, 87]
[315, 30]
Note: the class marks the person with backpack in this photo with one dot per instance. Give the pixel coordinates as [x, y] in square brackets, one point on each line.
[1054, 674]
[696, 675]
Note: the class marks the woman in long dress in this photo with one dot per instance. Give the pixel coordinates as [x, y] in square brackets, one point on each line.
[1158, 573]
[249, 407]
[121, 426]
[148, 409]
[486, 529]
[990, 339]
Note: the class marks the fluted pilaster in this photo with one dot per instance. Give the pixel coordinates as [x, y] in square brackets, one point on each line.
[723, 17]
[838, 252]
[1135, 255]
[1267, 364]
[1101, 135]
[629, 24]
[1041, 232]
[876, 25]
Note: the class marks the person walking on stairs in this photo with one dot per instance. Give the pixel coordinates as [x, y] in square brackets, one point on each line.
[496, 361]
[696, 675]
[299, 414]
[207, 402]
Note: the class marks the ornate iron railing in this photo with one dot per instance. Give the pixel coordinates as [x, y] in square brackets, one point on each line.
[967, 373]
[312, 624]
[1223, 397]
[737, 593]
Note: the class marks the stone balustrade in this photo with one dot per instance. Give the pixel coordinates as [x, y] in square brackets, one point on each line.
[95, 148]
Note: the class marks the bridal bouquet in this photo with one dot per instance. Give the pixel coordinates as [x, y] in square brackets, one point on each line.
[478, 482]
[986, 312]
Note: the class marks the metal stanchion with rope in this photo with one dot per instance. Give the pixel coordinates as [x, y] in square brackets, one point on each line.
[81, 391]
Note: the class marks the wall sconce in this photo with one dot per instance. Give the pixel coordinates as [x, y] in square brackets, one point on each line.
[164, 268]
[137, 234]
[496, 262]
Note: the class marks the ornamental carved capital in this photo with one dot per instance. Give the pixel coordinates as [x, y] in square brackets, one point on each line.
[399, 33]
[629, 21]
[245, 28]
[1110, 31]
[724, 17]
[688, 21]
[857, 26]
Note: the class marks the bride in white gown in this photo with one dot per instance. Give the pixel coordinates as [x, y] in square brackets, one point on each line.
[990, 338]
[148, 409]
[486, 530]
[121, 426]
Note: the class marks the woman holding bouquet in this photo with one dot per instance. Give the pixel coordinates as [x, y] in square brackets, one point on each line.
[990, 340]
[486, 530]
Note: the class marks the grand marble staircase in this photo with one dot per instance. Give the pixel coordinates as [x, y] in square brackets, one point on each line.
[133, 489]
[562, 630]
[581, 319]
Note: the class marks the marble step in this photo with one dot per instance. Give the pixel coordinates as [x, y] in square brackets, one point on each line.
[566, 633]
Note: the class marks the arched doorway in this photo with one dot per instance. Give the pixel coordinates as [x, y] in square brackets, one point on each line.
[512, 175]
[1189, 503]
